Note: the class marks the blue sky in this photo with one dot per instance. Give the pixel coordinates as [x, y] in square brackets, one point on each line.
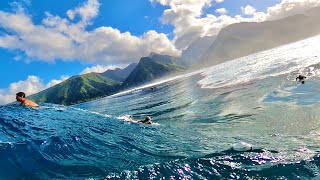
[113, 13]
[45, 40]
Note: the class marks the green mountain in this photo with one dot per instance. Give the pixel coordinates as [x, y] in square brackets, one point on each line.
[90, 86]
[152, 67]
[85, 87]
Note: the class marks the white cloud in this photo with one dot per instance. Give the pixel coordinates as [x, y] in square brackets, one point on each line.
[248, 10]
[290, 7]
[31, 85]
[281, 10]
[185, 16]
[6, 98]
[87, 11]
[61, 38]
[113, 46]
[222, 11]
[100, 68]
[56, 81]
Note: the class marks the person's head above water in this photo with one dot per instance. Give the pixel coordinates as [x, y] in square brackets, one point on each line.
[21, 97]
[148, 119]
[301, 77]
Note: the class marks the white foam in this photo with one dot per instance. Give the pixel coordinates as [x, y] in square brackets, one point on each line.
[128, 118]
[242, 146]
[93, 112]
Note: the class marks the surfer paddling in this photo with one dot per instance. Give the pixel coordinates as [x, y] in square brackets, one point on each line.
[301, 78]
[21, 97]
[147, 120]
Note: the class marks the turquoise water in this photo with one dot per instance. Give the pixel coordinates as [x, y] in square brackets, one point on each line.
[244, 119]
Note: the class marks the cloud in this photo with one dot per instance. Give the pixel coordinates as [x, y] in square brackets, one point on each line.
[185, 16]
[281, 10]
[190, 21]
[31, 85]
[87, 11]
[290, 7]
[248, 10]
[62, 38]
[68, 38]
[222, 11]
[56, 81]
[100, 68]
[113, 46]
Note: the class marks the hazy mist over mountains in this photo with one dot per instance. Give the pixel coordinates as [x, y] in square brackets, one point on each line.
[241, 39]
[196, 49]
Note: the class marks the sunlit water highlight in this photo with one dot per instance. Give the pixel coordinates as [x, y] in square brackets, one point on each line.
[244, 119]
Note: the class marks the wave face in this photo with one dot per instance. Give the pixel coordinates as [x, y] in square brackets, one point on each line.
[244, 119]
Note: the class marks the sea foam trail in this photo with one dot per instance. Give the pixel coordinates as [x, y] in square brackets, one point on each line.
[273, 62]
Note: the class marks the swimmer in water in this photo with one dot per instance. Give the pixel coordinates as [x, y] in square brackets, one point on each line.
[301, 78]
[146, 121]
[21, 97]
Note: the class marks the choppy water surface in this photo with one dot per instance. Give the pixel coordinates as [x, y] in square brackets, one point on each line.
[244, 119]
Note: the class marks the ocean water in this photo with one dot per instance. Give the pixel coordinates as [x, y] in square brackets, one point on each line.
[244, 119]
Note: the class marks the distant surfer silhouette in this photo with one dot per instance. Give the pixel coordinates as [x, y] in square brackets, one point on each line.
[21, 97]
[147, 120]
[301, 78]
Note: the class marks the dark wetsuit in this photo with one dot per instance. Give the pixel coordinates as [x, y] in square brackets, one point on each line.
[301, 78]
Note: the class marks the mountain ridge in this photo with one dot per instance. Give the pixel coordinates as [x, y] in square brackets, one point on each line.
[81, 88]
[152, 67]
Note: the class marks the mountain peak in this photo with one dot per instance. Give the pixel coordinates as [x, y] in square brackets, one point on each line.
[152, 67]
[152, 54]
